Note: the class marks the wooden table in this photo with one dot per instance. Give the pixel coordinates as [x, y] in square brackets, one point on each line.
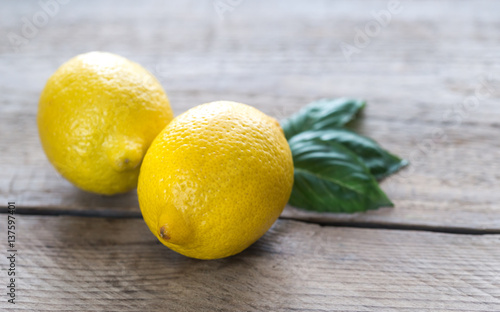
[430, 73]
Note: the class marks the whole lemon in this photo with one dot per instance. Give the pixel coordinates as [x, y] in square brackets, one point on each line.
[97, 116]
[215, 180]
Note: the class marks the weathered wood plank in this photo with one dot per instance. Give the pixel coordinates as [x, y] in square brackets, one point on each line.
[94, 264]
[451, 187]
[279, 57]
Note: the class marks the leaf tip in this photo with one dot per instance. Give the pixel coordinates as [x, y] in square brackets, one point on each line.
[403, 163]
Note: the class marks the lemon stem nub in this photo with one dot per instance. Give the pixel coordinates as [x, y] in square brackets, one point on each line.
[163, 233]
[173, 229]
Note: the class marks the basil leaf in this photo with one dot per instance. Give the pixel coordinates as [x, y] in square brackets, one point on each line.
[322, 114]
[380, 162]
[329, 177]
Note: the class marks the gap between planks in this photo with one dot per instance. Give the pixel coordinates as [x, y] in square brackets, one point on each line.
[348, 224]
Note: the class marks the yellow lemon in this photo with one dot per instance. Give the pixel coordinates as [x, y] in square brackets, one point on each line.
[97, 116]
[215, 180]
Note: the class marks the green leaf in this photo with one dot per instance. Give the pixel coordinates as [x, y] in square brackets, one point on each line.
[321, 115]
[329, 177]
[336, 169]
[380, 162]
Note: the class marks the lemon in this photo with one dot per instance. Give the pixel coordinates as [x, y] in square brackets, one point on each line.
[97, 116]
[215, 180]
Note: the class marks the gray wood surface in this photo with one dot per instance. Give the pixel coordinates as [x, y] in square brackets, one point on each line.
[93, 264]
[278, 56]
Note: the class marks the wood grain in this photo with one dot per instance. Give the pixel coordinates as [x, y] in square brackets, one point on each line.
[278, 57]
[94, 264]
